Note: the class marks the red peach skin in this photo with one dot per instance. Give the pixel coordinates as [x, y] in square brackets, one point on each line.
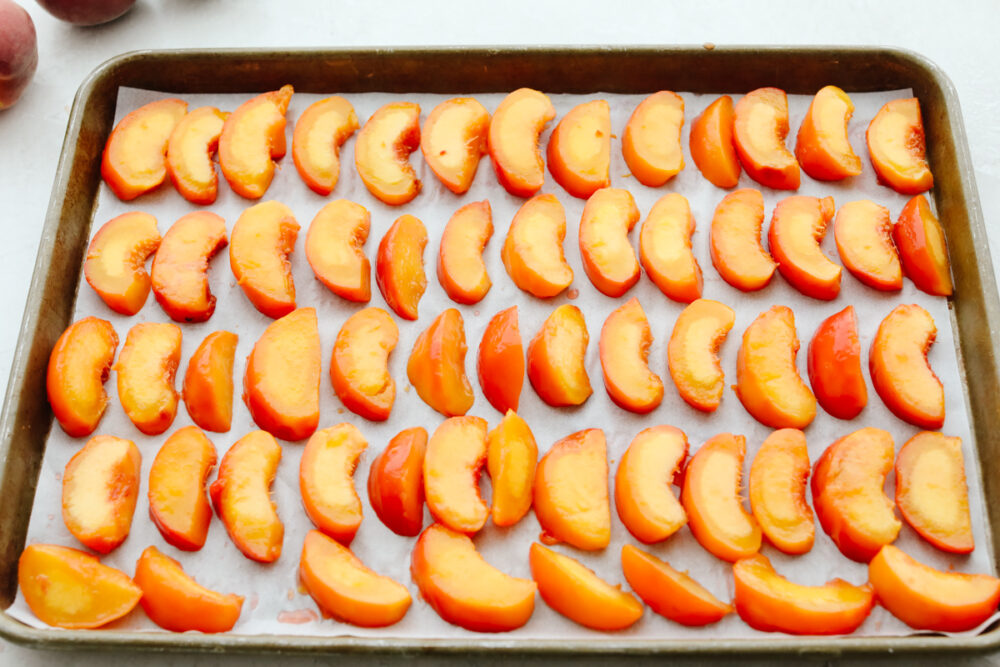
[500, 364]
[922, 248]
[834, 364]
[670, 593]
[711, 144]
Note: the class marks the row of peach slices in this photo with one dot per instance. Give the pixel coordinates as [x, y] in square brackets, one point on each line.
[162, 138]
[568, 488]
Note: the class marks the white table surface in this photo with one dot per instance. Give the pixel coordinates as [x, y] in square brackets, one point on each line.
[961, 37]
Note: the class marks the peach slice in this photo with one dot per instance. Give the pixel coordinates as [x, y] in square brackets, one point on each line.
[922, 248]
[928, 599]
[281, 381]
[579, 150]
[68, 588]
[399, 266]
[463, 588]
[79, 366]
[798, 224]
[326, 480]
[134, 159]
[511, 458]
[665, 249]
[262, 240]
[359, 368]
[711, 498]
[767, 380]
[180, 268]
[175, 601]
[556, 358]
[453, 463]
[900, 372]
[382, 152]
[146, 369]
[436, 367]
[897, 149]
[500, 364]
[711, 144]
[573, 590]
[208, 382]
[116, 260]
[319, 133]
[834, 364]
[396, 482]
[642, 484]
[100, 487]
[460, 266]
[778, 477]
[453, 141]
[847, 492]
[608, 258]
[693, 352]
[821, 146]
[253, 137]
[571, 491]
[760, 125]
[651, 143]
[533, 250]
[670, 593]
[177, 502]
[334, 249]
[242, 497]
[624, 352]
[931, 491]
[863, 231]
[737, 253]
[343, 587]
[189, 154]
[767, 601]
[513, 140]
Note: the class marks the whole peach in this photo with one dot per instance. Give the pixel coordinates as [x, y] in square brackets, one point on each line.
[18, 52]
[86, 12]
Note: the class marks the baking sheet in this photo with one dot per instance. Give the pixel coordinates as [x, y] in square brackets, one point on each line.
[275, 602]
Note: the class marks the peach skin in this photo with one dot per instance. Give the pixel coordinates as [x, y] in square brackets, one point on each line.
[533, 250]
[180, 267]
[79, 365]
[146, 369]
[821, 146]
[624, 353]
[463, 588]
[608, 258]
[116, 261]
[399, 266]
[134, 159]
[396, 482]
[512, 140]
[241, 495]
[651, 143]
[192, 144]
[798, 225]
[281, 381]
[359, 368]
[665, 249]
[500, 364]
[382, 152]
[511, 458]
[557, 356]
[177, 501]
[579, 150]
[897, 147]
[922, 248]
[208, 382]
[711, 144]
[778, 477]
[326, 480]
[460, 267]
[319, 133]
[847, 493]
[643, 498]
[760, 125]
[453, 141]
[252, 138]
[900, 372]
[670, 593]
[737, 253]
[334, 250]
[436, 367]
[863, 231]
[456, 454]
[834, 364]
[262, 241]
[693, 352]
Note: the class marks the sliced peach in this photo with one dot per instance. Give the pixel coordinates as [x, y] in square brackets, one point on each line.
[208, 382]
[579, 150]
[571, 491]
[326, 480]
[177, 502]
[798, 224]
[847, 493]
[68, 588]
[382, 152]
[863, 231]
[241, 495]
[396, 482]
[513, 140]
[359, 368]
[624, 352]
[453, 141]
[455, 457]
[511, 458]
[175, 601]
[608, 258]
[436, 367]
[399, 267]
[189, 154]
[281, 381]
[711, 143]
[834, 364]
[334, 249]
[79, 366]
[737, 253]
[642, 484]
[897, 149]
[134, 159]
[651, 143]
[670, 593]
[463, 588]
[262, 240]
[665, 249]
[500, 365]
[116, 261]
[767, 380]
[556, 357]
[821, 146]
[931, 491]
[460, 266]
[900, 372]
[760, 125]
[253, 137]
[533, 250]
[778, 477]
[693, 352]
[767, 601]
[922, 248]
[146, 369]
[319, 133]
[180, 268]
